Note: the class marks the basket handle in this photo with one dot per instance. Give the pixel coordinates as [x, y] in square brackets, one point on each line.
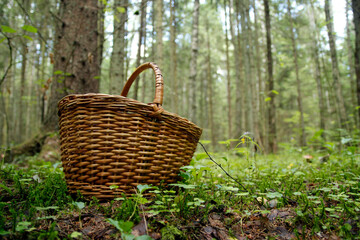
[159, 82]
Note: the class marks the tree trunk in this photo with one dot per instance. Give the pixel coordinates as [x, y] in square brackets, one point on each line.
[141, 44]
[351, 62]
[270, 83]
[315, 51]
[239, 98]
[210, 87]
[335, 68]
[22, 104]
[117, 61]
[76, 68]
[260, 87]
[159, 31]
[302, 138]
[228, 77]
[193, 61]
[173, 57]
[356, 12]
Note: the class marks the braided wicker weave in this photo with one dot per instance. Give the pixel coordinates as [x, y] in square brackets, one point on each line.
[113, 140]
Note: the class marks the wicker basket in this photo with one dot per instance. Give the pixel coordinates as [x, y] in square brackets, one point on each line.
[113, 140]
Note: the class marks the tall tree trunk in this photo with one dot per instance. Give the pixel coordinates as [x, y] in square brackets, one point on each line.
[117, 61]
[173, 57]
[356, 12]
[141, 44]
[260, 87]
[335, 68]
[22, 103]
[159, 31]
[302, 137]
[351, 62]
[76, 55]
[143, 13]
[210, 87]
[228, 77]
[101, 31]
[270, 83]
[193, 61]
[240, 33]
[239, 98]
[315, 55]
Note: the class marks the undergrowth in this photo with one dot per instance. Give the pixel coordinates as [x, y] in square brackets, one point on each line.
[298, 193]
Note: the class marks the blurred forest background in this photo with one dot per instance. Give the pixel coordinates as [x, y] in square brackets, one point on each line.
[274, 69]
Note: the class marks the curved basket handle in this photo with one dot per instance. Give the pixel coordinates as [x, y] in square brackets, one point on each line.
[159, 82]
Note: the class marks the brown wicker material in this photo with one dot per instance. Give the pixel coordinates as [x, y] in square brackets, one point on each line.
[113, 140]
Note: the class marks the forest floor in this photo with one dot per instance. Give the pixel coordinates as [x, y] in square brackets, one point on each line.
[296, 194]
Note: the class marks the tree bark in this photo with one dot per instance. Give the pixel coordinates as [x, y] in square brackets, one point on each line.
[228, 77]
[173, 56]
[351, 62]
[141, 44]
[239, 98]
[319, 85]
[270, 83]
[210, 87]
[335, 68]
[159, 31]
[302, 137]
[260, 87]
[117, 61]
[193, 61]
[76, 68]
[356, 12]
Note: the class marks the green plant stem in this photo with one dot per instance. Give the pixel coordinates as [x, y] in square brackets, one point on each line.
[219, 165]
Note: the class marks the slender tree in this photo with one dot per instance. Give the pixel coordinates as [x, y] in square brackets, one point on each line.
[356, 12]
[173, 56]
[270, 83]
[335, 67]
[141, 44]
[158, 21]
[76, 68]
[302, 137]
[315, 54]
[117, 62]
[228, 78]
[193, 61]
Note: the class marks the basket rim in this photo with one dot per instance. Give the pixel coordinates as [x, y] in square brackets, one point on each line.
[72, 98]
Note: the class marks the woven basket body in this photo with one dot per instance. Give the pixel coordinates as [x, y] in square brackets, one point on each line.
[111, 140]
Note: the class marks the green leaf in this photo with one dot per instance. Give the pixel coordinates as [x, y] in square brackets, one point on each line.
[114, 187]
[29, 28]
[27, 37]
[3, 39]
[21, 226]
[75, 234]
[47, 208]
[143, 188]
[144, 237]
[7, 29]
[6, 189]
[347, 226]
[275, 92]
[267, 99]
[121, 9]
[242, 194]
[58, 72]
[123, 227]
[201, 156]
[185, 186]
[3, 232]
[79, 205]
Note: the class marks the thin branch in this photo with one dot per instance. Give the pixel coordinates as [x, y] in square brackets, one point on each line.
[219, 165]
[31, 22]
